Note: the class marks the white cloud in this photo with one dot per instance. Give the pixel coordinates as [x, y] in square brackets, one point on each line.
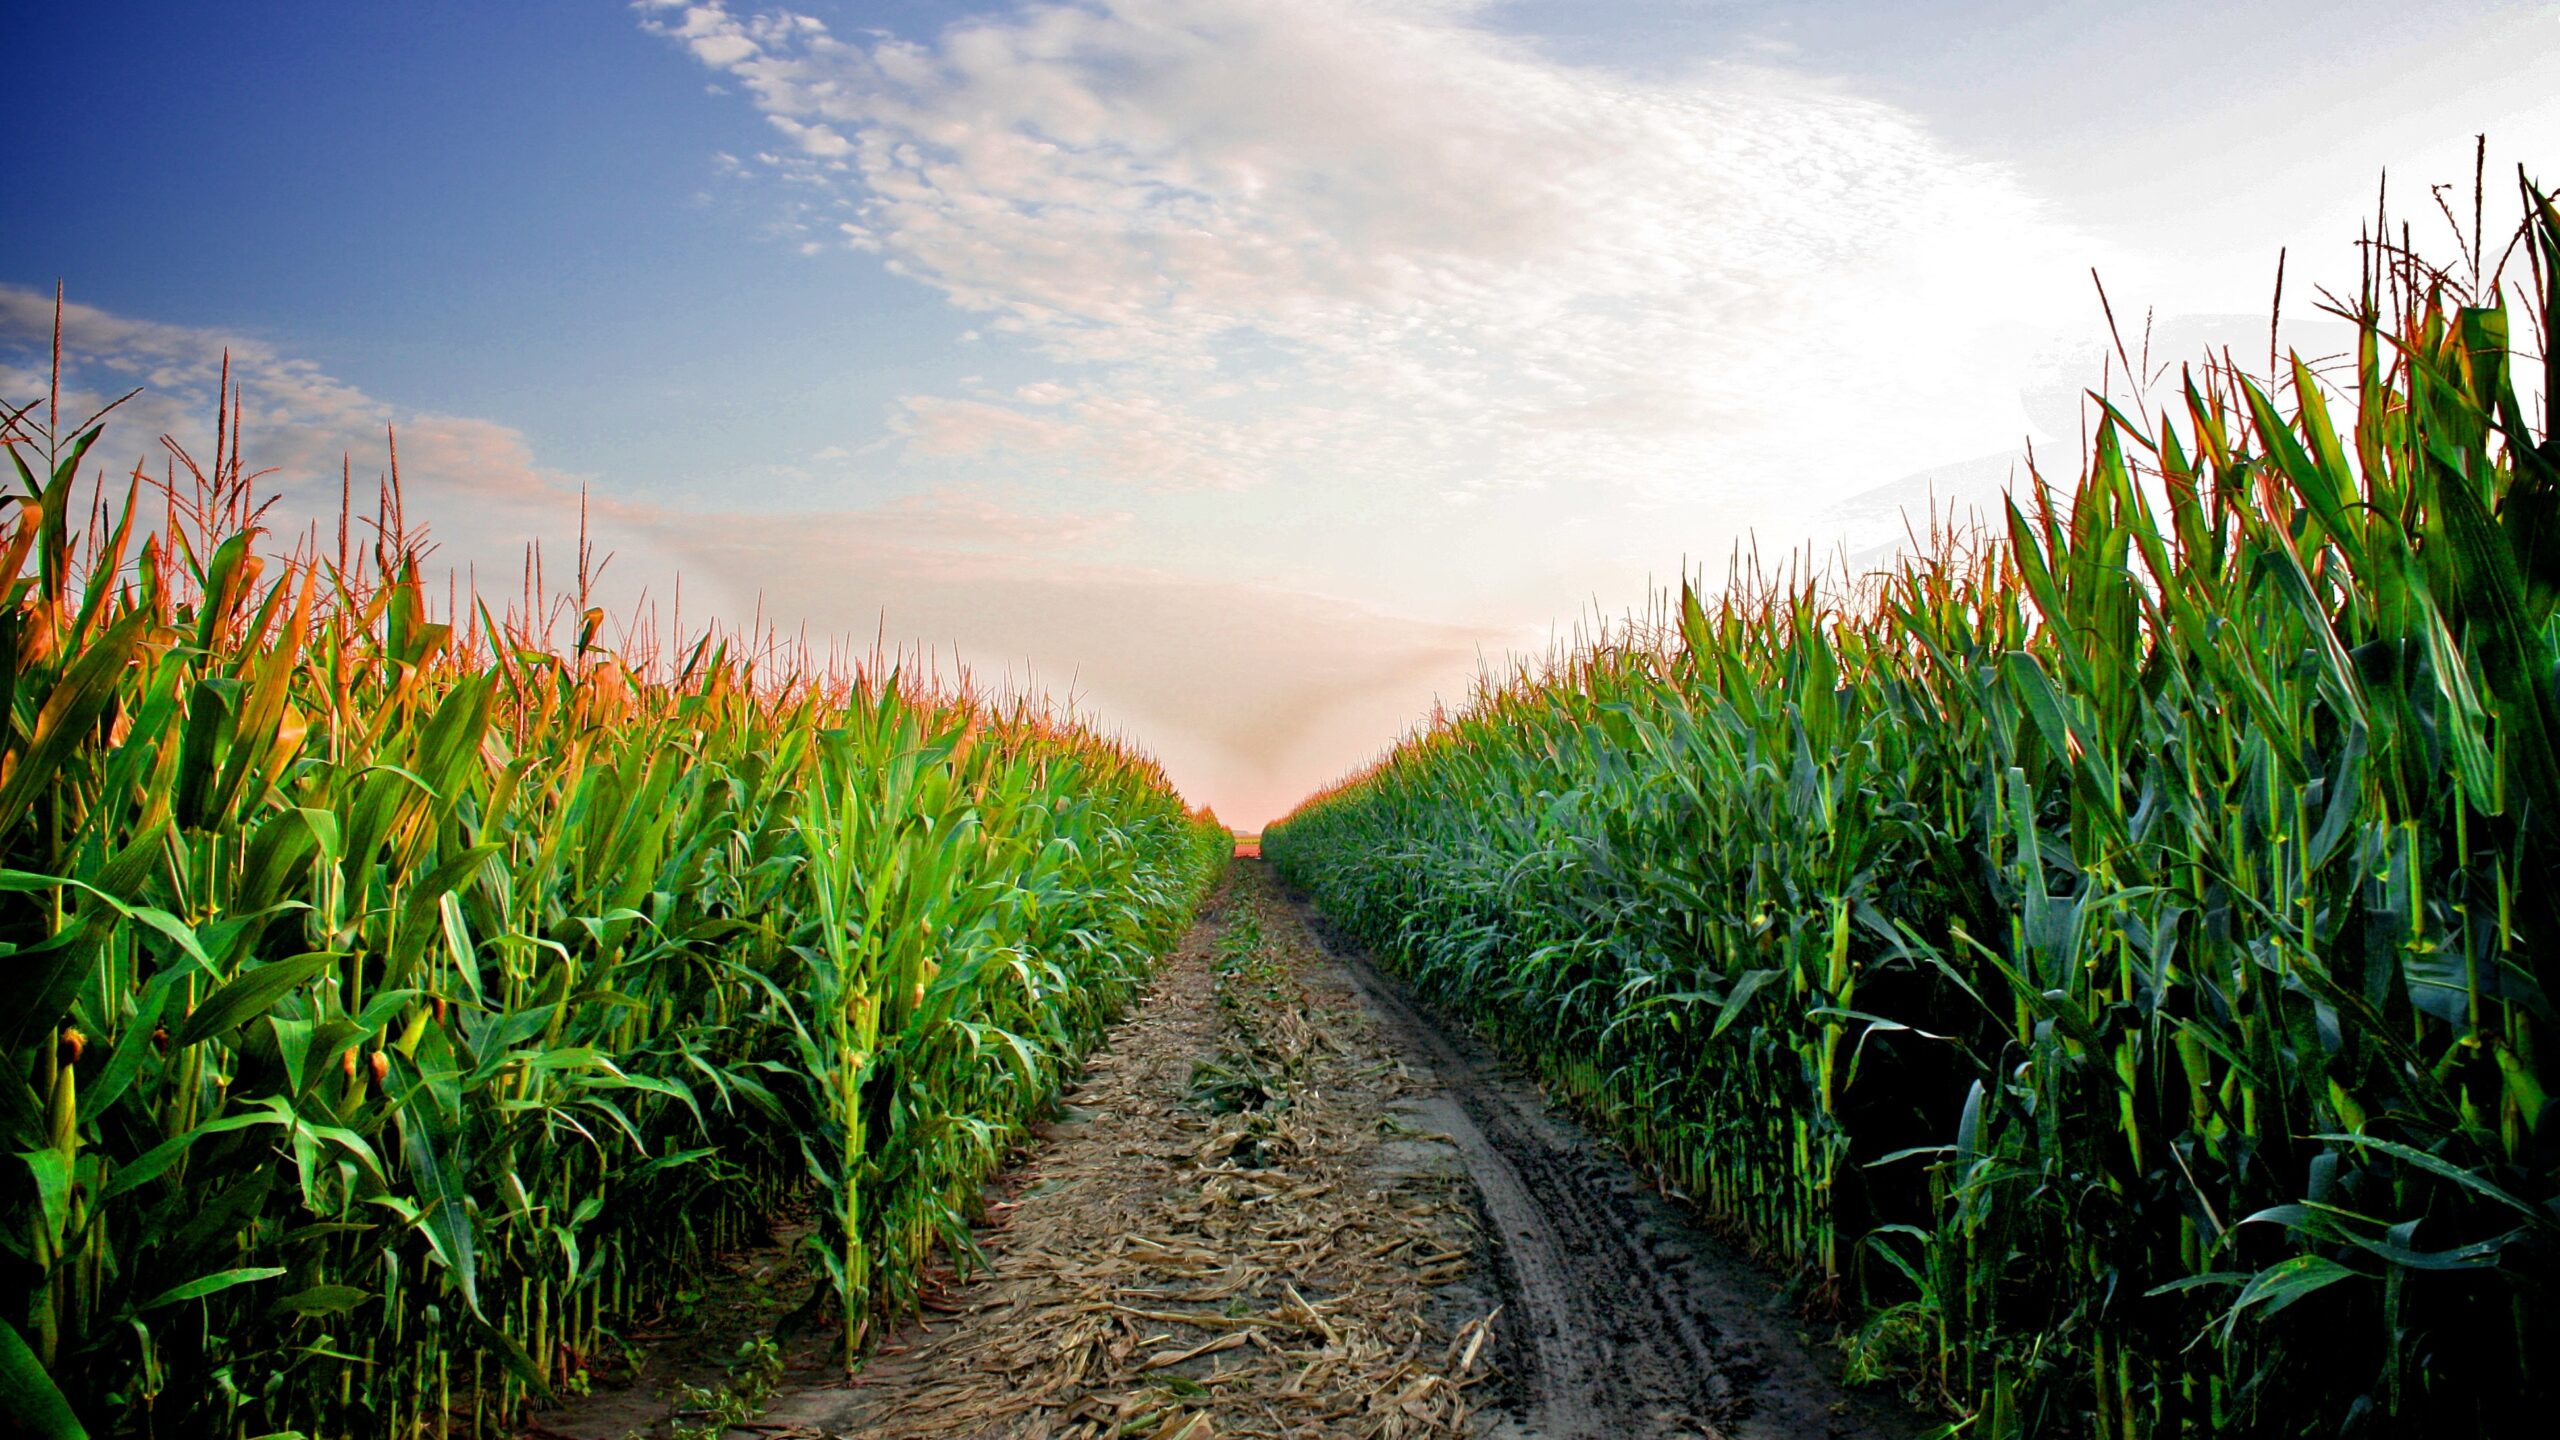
[472, 485]
[1457, 263]
[820, 141]
[1245, 690]
[475, 485]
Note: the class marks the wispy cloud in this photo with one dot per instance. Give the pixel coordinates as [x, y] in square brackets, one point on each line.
[1247, 691]
[1427, 254]
[303, 422]
[474, 486]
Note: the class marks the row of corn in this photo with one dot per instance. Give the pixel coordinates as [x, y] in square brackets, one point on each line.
[2113, 961]
[395, 1010]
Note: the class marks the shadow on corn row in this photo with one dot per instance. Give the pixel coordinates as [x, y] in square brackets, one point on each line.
[394, 1001]
[2109, 957]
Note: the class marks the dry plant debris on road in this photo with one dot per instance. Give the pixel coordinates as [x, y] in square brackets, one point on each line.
[1229, 1233]
[1282, 1202]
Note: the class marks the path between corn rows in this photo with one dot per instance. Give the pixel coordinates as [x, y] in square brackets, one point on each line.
[1321, 1264]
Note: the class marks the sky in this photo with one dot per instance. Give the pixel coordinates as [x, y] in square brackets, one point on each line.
[1248, 373]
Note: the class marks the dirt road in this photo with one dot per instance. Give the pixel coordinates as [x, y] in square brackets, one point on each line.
[1280, 1203]
[1620, 1316]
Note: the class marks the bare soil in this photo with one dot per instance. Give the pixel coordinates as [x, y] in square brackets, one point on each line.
[1621, 1315]
[1281, 1202]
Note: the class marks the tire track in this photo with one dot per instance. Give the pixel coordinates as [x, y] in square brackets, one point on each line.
[1621, 1317]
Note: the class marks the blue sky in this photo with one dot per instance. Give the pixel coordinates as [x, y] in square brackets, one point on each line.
[1249, 368]
[496, 209]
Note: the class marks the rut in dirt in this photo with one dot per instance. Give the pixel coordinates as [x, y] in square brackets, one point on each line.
[1621, 1317]
[1223, 1234]
[1279, 1204]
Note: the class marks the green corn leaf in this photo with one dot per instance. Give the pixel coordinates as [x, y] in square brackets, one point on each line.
[2444, 1169]
[70, 715]
[512, 1354]
[211, 712]
[36, 983]
[103, 1092]
[327, 1299]
[56, 498]
[442, 1216]
[28, 1396]
[52, 1172]
[215, 1283]
[328, 1039]
[221, 586]
[2283, 1283]
[2477, 1255]
[293, 1045]
[155, 1162]
[1738, 997]
[250, 993]
[2219, 1280]
[286, 841]
[2516, 661]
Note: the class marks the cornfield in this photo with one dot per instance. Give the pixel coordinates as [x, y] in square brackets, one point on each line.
[2109, 961]
[395, 1005]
